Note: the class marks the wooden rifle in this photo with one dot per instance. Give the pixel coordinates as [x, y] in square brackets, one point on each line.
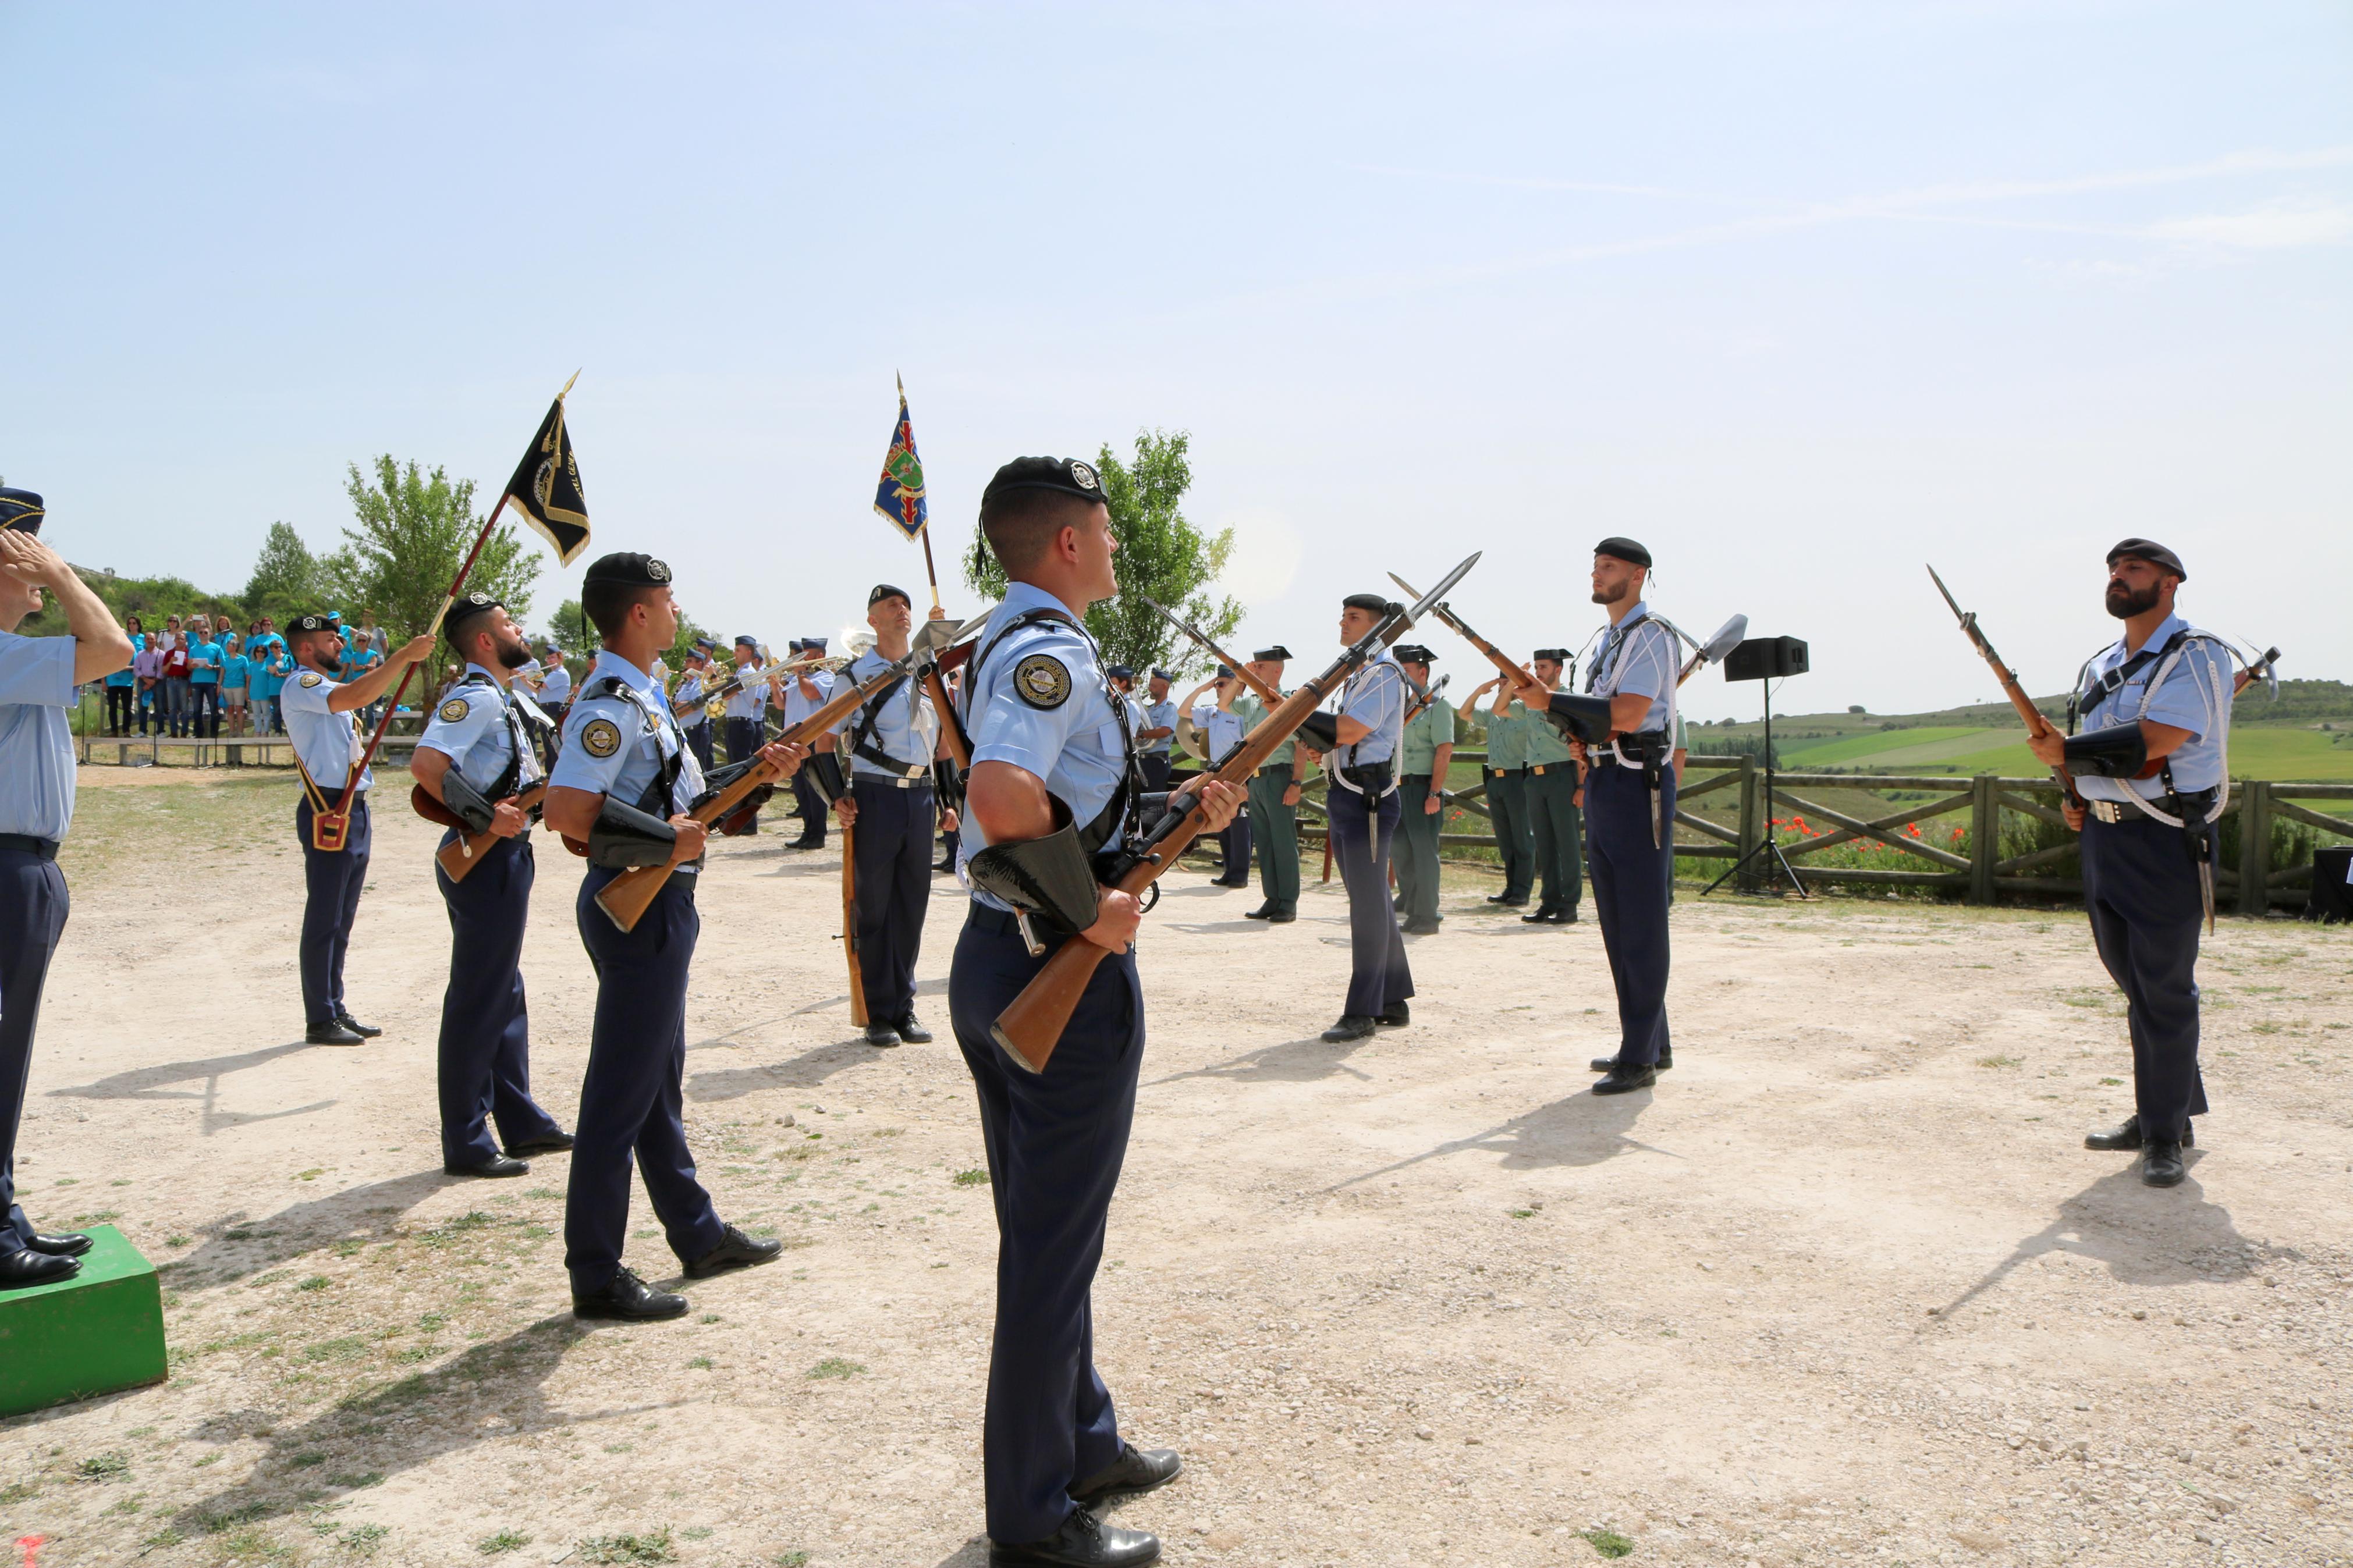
[630, 894]
[462, 854]
[2036, 724]
[1031, 1027]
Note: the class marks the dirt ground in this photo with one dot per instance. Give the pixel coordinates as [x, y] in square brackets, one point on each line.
[1844, 1289]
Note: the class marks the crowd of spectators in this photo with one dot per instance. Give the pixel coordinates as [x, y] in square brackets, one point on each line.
[200, 678]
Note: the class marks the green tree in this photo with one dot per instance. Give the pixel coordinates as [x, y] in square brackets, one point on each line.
[286, 575]
[1160, 554]
[412, 530]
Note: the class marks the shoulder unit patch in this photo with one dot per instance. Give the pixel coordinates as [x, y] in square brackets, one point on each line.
[453, 711]
[312, 677]
[600, 737]
[1043, 681]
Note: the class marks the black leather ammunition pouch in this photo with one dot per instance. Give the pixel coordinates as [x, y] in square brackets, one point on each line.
[626, 838]
[1049, 878]
[1580, 717]
[2118, 751]
[1321, 731]
[823, 769]
[465, 802]
[947, 785]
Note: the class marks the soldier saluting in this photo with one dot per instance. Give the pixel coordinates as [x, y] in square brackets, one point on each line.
[318, 711]
[1054, 782]
[477, 751]
[38, 678]
[2151, 765]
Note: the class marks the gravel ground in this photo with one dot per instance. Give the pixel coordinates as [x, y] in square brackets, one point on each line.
[1845, 1289]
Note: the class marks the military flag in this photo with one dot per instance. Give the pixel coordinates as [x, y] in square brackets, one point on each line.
[546, 487]
[900, 497]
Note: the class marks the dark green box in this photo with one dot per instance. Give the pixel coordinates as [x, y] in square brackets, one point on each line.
[98, 1332]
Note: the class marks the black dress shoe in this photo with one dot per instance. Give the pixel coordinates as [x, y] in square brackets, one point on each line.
[497, 1165]
[2160, 1163]
[805, 844]
[735, 1250]
[330, 1033]
[1507, 899]
[25, 1267]
[1136, 1470]
[1609, 1064]
[2127, 1136]
[629, 1300]
[1563, 917]
[1543, 916]
[1351, 1026]
[1264, 911]
[1282, 917]
[879, 1033]
[1419, 928]
[545, 1143]
[71, 1244]
[1626, 1080]
[364, 1031]
[1396, 1016]
[1082, 1542]
[910, 1031]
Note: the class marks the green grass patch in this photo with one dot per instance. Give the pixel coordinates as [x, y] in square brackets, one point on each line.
[1998, 1061]
[104, 1467]
[834, 1366]
[975, 1177]
[654, 1547]
[1608, 1542]
[504, 1541]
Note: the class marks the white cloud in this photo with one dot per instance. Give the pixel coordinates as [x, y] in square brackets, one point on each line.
[2278, 226]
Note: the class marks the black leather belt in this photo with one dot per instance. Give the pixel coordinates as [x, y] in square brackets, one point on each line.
[24, 843]
[912, 781]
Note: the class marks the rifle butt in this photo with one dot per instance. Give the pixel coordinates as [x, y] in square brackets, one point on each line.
[1031, 1027]
[625, 899]
[458, 856]
[858, 1013]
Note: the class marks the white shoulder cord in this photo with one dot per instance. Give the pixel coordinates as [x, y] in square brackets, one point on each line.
[2217, 700]
[1672, 633]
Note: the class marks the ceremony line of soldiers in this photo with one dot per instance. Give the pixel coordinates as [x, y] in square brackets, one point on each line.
[1056, 779]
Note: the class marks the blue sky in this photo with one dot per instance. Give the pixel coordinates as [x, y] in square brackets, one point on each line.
[1801, 295]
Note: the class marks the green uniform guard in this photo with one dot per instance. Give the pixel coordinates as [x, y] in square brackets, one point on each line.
[1425, 754]
[1273, 801]
[1507, 777]
[1549, 792]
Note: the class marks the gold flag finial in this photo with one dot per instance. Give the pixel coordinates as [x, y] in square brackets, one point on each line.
[567, 387]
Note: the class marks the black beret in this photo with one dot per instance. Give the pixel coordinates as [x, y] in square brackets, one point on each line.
[1270, 654]
[1119, 672]
[2150, 550]
[884, 591]
[301, 623]
[1624, 549]
[1557, 655]
[470, 604]
[1158, 674]
[1379, 604]
[629, 568]
[1067, 475]
[21, 510]
[1413, 653]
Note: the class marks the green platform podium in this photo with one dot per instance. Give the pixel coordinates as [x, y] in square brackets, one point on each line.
[98, 1332]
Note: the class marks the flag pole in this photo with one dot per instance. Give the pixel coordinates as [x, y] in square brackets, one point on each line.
[351, 784]
[928, 569]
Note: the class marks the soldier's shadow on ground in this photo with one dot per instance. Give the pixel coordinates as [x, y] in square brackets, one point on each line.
[1293, 1061]
[203, 1078]
[1579, 1130]
[237, 1245]
[402, 1424]
[2143, 1235]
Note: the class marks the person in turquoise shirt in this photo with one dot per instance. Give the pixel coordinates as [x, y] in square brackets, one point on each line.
[122, 687]
[204, 684]
[1507, 775]
[236, 681]
[266, 651]
[1550, 793]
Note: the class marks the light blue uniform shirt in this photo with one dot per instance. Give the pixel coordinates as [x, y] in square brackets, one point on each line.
[471, 729]
[690, 689]
[1221, 729]
[610, 747]
[1075, 741]
[2193, 694]
[200, 674]
[905, 728]
[556, 685]
[798, 704]
[1374, 695]
[37, 757]
[1160, 715]
[1637, 658]
[326, 743]
[749, 701]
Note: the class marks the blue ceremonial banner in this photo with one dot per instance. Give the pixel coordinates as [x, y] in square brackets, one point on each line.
[900, 497]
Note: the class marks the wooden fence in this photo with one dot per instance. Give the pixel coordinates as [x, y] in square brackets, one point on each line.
[1990, 809]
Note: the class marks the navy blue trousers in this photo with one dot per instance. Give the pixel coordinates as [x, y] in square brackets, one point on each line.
[1379, 977]
[1055, 1142]
[631, 1101]
[32, 907]
[1155, 766]
[698, 739]
[485, 1054]
[332, 882]
[893, 854]
[1234, 848]
[2140, 888]
[743, 737]
[1631, 881]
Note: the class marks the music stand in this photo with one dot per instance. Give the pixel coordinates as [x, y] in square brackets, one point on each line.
[1762, 659]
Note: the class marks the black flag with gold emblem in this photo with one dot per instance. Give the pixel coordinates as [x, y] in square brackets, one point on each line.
[546, 487]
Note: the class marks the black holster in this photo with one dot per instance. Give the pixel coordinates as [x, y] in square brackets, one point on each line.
[1322, 731]
[2118, 751]
[823, 770]
[626, 838]
[1049, 878]
[465, 802]
[1584, 718]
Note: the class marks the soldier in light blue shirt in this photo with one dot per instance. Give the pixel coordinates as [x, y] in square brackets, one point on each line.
[1050, 784]
[1217, 728]
[804, 691]
[1362, 808]
[477, 756]
[38, 677]
[318, 721]
[691, 700]
[1153, 741]
[2151, 765]
[621, 787]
